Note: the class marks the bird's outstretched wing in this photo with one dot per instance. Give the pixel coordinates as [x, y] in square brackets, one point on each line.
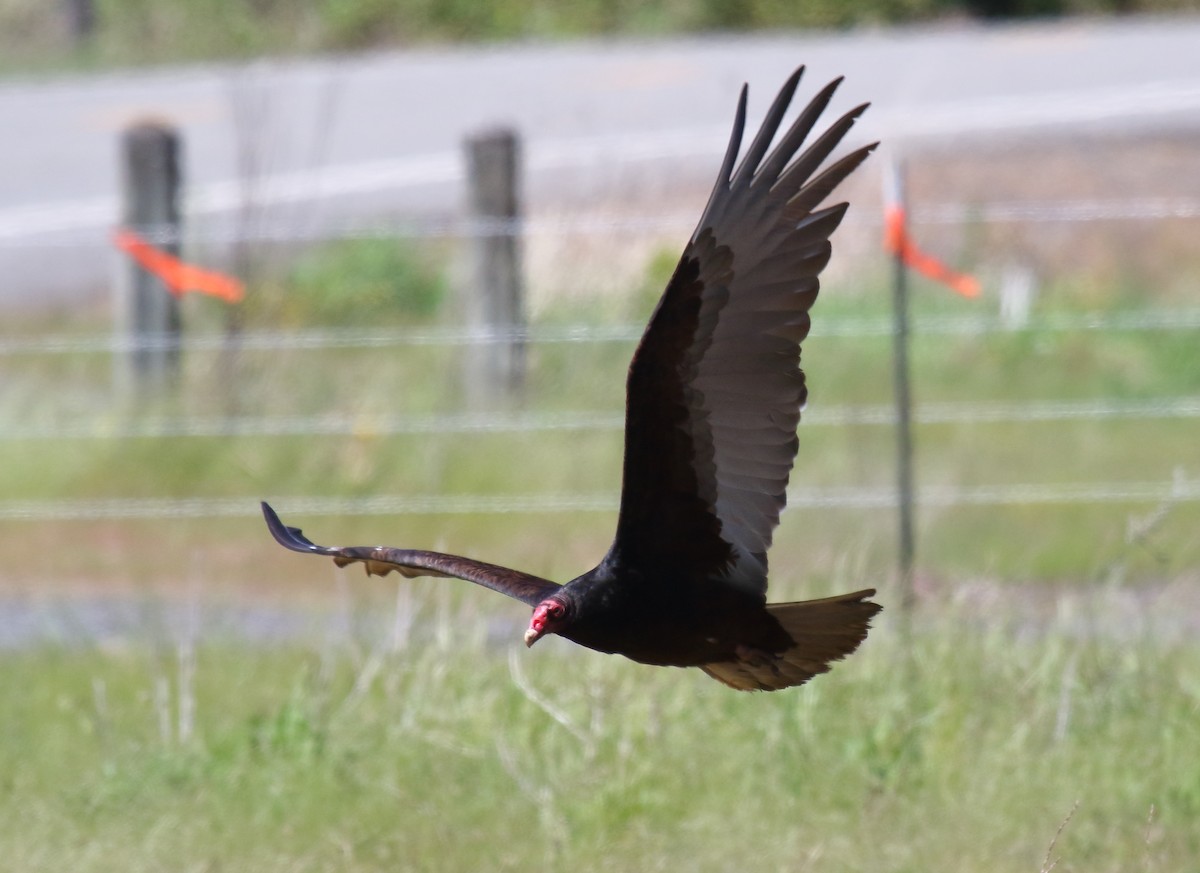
[715, 388]
[381, 560]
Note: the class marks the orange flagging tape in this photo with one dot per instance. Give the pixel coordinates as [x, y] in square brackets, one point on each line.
[897, 241]
[179, 276]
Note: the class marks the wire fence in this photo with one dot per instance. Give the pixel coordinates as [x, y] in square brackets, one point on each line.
[383, 425]
[1174, 319]
[1177, 490]
[19, 226]
[119, 426]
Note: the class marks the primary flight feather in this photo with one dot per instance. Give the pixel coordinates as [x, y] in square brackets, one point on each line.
[713, 399]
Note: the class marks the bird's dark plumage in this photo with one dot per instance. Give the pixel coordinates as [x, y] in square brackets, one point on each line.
[713, 400]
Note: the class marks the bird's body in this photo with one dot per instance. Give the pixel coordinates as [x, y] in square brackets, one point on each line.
[653, 624]
[713, 399]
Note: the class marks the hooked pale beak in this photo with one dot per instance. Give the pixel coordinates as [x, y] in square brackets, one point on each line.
[532, 635]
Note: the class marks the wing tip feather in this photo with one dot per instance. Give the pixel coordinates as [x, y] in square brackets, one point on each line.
[290, 537]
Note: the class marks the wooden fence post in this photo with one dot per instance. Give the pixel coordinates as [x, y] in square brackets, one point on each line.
[494, 304]
[894, 179]
[147, 314]
[79, 19]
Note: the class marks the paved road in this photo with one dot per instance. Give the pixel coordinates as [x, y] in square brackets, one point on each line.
[350, 138]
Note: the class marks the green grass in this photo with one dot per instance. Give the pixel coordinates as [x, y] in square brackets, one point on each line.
[963, 751]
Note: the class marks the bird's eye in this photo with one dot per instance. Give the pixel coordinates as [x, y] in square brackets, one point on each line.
[557, 611]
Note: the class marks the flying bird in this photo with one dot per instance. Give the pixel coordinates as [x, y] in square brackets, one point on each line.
[713, 398]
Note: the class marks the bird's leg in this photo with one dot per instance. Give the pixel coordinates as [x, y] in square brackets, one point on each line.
[756, 658]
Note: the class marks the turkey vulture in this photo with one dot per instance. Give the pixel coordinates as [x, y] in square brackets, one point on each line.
[713, 398]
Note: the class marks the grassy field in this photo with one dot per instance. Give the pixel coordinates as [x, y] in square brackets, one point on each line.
[1053, 664]
[964, 750]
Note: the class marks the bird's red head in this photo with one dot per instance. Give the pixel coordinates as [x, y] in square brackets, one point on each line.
[549, 617]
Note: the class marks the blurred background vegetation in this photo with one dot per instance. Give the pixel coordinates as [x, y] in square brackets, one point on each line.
[42, 33]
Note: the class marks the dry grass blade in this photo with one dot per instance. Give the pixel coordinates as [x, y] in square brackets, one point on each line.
[1049, 864]
[537, 699]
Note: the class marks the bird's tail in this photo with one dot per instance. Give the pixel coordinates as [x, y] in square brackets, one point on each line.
[822, 631]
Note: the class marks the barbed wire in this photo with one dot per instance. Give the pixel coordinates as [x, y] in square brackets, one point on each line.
[203, 231]
[1178, 490]
[323, 338]
[366, 425]
[1182, 318]
[1066, 211]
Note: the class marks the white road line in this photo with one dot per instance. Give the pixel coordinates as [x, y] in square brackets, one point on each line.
[1056, 109]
